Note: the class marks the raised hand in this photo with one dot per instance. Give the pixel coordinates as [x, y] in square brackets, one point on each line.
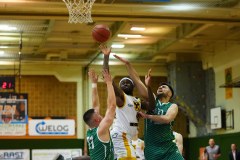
[105, 50]
[106, 76]
[93, 76]
[148, 78]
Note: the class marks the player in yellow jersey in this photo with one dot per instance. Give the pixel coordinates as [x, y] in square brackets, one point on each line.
[179, 141]
[126, 122]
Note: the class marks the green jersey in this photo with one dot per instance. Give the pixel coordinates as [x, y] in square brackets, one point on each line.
[159, 137]
[97, 148]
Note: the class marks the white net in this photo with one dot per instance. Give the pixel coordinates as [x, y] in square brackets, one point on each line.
[79, 10]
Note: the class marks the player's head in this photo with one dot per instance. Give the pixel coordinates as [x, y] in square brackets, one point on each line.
[92, 118]
[211, 142]
[127, 85]
[165, 90]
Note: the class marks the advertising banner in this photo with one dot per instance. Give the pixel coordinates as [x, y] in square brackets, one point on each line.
[15, 154]
[13, 114]
[51, 127]
[53, 154]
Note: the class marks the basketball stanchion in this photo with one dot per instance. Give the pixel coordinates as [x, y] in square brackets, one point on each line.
[79, 10]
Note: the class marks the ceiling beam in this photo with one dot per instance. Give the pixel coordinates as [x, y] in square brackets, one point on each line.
[58, 10]
[181, 31]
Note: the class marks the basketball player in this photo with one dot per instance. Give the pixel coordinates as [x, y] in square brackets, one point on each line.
[179, 141]
[158, 134]
[98, 135]
[126, 122]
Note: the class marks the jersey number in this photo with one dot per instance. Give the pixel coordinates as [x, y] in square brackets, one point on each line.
[159, 111]
[90, 142]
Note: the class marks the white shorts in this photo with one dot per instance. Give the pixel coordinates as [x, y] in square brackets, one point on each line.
[122, 143]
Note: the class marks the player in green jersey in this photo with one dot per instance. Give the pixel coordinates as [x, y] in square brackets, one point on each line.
[98, 136]
[158, 134]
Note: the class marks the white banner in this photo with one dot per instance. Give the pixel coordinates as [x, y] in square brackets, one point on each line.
[51, 127]
[52, 154]
[15, 154]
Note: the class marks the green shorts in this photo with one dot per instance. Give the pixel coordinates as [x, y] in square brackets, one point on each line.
[163, 151]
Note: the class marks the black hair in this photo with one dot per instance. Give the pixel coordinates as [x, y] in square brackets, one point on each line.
[169, 86]
[88, 115]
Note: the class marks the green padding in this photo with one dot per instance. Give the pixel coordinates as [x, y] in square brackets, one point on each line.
[192, 145]
[41, 143]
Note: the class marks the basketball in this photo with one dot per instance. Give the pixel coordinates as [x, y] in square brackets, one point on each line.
[101, 33]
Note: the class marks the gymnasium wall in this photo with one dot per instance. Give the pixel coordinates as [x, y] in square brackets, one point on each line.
[225, 59]
[228, 103]
[48, 97]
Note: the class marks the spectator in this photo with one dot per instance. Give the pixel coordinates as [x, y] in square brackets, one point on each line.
[234, 154]
[212, 152]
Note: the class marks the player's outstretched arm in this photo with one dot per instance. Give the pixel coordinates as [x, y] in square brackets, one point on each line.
[134, 76]
[118, 92]
[106, 51]
[95, 97]
[169, 117]
[151, 98]
[103, 130]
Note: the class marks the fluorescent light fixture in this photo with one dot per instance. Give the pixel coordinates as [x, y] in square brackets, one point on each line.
[7, 28]
[2, 52]
[118, 46]
[6, 62]
[3, 46]
[8, 38]
[137, 29]
[130, 35]
[181, 7]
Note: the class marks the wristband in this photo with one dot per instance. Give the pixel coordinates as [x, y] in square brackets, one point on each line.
[94, 85]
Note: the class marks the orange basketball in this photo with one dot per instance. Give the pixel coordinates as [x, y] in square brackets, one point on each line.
[101, 33]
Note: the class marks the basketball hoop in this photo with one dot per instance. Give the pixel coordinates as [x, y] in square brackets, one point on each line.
[79, 10]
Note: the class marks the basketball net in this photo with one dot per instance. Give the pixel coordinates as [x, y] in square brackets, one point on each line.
[79, 10]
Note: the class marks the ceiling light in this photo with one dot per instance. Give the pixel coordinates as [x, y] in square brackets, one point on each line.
[7, 28]
[130, 35]
[181, 7]
[137, 29]
[6, 62]
[118, 46]
[3, 46]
